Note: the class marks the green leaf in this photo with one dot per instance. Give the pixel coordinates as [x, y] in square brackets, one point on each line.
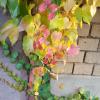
[78, 14]
[5, 46]
[86, 14]
[44, 91]
[81, 91]
[38, 63]
[19, 66]
[35, 58]
[6, 52]
[28, 45]
[12, 60]
[25, 22]
[40, 54]
[46, 77]
[57, 23]
[23, 7]
[13, 8]
[14, 54]
[44, 20]
[58, 2]
[3, 3]
[27, 66]
[22, 61]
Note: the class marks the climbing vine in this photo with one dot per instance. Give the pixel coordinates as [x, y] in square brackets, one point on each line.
[50, 28]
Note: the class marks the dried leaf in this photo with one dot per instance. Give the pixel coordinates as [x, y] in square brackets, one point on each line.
[69, 5]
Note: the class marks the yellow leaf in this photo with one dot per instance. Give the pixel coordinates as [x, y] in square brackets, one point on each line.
[13, 37]
[67, 23]
[93, 10]
[9, 29]
[69, 5]
[30, 8]
[98, 3]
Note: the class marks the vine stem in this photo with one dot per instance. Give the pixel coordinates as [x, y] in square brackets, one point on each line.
[19, 85]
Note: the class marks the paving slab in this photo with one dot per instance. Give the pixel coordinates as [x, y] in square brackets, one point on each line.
[69, 84]
[7, 93]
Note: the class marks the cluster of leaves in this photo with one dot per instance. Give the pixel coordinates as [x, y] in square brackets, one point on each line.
[52, 31]
[14, 58]
[16, 7]
[51, 34]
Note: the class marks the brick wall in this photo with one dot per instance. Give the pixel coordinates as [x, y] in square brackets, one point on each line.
[88, 60]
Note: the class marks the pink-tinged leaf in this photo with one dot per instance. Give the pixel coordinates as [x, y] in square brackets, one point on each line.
[46, 33]
[45, 61]
[42, 7]
[56, 36]
[41, 40]
[73, 50]
[37, 45]
[59, 55]
[38, 71]
[51, 16]
[42, 28]
[49, 55]
[47, 2]
[53, 7]
[53, 62]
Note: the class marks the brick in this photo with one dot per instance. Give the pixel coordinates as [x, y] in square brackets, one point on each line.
[95, 30]
[96, 18]
[96, 70]
[77, 58]
[99, 46]
[92, 57]
[83, 69]
[84, 31]
[88, 44]
[63, 69]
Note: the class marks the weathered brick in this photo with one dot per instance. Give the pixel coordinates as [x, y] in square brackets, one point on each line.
[99, 46]
[83, 69]
[92, 57]
[95, 30]
[88, 44]
[96, 70]
[96, 18]
[77, 58]
[63, 69]
[84, 31]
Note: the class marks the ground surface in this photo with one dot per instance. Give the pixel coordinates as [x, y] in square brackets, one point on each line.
[68, 84]
[6, 93]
